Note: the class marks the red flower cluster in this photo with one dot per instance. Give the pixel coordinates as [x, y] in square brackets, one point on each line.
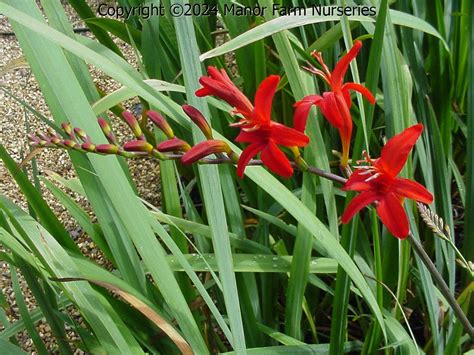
[257, 127]
[378, 182]
[334, 104]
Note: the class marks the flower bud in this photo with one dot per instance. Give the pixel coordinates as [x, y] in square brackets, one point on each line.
[107, 149]
[196, 116]
[173, 145]
[42, 136]
[33, 138]
[71, 144]
[67, 128]
[204, 149]
[55, 140]
[88, 147]
[81, 134]
[51, 132]
[161, 122]
[138, 146]
[104, 125]
[133, 124]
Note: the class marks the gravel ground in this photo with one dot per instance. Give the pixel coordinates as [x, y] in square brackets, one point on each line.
[14, 122]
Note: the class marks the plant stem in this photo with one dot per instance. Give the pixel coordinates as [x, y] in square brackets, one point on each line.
[310, 169]
[442, 285]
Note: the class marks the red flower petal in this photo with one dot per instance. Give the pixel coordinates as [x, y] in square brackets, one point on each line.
[359, 88]
[286, 136]
[302, 111]
[337, 76]
[219, 84]
[330, 109]
[359, 202]
[248, 153]
[395, 153]
[392, 214]
[412, 190]
[258, 136]
[264, 98]
[356, 182]
[276, 160]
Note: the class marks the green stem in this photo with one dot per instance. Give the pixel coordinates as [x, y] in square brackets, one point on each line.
[442, 285]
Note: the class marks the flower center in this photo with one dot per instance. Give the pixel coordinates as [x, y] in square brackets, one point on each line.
[325, 73]
[378, 178]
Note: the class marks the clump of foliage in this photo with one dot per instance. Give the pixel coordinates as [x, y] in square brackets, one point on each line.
[279, 238]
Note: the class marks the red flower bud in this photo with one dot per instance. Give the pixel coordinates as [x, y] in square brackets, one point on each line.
[33, 138]
[51, 132]
[104, 125]
[133, 124]
[42, 136]
[55, 141]
[88, 147]
[173, 145]
[204, 149]
[138, 146]
[161, 122]
[107, 149]
[71, 144]
[81, 134]
[67, 128]
[196, 116]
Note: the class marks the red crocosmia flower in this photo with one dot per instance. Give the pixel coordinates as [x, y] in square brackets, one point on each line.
[219, 84]
[378, 182]
[257, 127]
[334, 104]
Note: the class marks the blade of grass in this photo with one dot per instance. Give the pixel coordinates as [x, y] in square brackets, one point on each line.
[10, 348]
[109, 329]
[23, 309]
[468, 247]
[210, 183]
[289, 22]
[85, 12]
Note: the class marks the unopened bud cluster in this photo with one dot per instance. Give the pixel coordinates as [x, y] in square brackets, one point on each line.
[74, 138]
